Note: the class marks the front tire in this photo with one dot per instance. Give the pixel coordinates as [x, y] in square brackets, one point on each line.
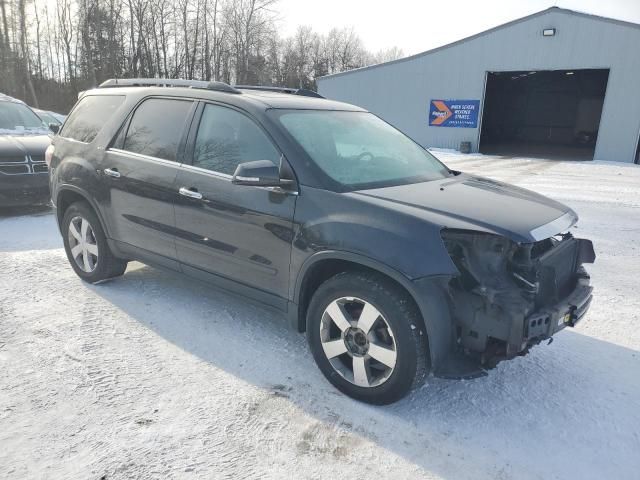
[86, 245]
[367, 337]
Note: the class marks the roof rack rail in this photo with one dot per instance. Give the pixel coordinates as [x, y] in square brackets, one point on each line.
[168, 82]
[293, 91]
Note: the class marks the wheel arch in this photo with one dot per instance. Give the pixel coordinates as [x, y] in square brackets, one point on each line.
[69, 194]
[428, 294]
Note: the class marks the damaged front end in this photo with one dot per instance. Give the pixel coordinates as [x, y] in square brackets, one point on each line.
[510, 296]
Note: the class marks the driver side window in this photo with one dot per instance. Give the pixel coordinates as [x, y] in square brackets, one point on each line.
[227, 138]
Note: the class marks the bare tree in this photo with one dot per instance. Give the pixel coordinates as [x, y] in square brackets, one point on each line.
[51, 51]
[65, 26]
[38, 50]
[387, 55]
[249, 22]
[6, 55]
[24, 52]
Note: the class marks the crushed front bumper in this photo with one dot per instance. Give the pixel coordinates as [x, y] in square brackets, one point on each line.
[465, 363]
[568, 312]
[507, 299]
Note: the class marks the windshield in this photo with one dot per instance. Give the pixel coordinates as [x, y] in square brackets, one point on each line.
[47, 117]
[359, 150]
[18, 119]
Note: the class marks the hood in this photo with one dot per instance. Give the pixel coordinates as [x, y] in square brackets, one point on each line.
[20, 146]
[476, 203]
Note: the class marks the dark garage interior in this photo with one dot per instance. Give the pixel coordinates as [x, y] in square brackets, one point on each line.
[550, 114]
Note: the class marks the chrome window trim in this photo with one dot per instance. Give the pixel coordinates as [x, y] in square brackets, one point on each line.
[69, 139]
[213, 173]
[228, 178]
[141, 156]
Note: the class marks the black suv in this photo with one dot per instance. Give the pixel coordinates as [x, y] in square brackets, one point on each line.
[393, 264]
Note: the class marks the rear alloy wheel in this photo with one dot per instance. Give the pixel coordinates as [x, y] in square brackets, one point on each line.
[86, 245]
[367, 337]
[82, 241]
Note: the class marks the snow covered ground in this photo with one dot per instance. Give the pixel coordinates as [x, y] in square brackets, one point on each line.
[156, 376]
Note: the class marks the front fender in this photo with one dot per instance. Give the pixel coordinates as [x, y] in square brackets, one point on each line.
[352, 257]
[404, 243]
[406, 248]
[429, 293]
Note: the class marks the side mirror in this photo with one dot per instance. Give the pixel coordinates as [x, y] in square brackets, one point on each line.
[260, 173]
[54, 127]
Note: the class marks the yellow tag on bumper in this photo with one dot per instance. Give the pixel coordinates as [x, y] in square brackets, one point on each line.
[565, 319]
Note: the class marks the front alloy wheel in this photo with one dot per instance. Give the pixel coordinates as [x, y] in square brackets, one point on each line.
[367, 336]
[358, 341]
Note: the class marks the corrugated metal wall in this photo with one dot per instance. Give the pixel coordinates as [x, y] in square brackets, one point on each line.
[400, 92]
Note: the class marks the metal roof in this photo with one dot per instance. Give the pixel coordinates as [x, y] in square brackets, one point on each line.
[486, 32]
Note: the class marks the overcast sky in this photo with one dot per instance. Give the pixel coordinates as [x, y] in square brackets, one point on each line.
[419, 25]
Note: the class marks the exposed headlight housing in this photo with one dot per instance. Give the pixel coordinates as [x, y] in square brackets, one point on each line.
[481, 258]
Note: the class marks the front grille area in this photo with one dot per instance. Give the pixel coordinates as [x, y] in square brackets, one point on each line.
[14, 169]
[25, 165]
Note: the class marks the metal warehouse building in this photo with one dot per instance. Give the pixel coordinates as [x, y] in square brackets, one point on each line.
[557, 83]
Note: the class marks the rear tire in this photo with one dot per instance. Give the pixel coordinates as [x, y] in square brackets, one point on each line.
[86, 245]
[367, 337]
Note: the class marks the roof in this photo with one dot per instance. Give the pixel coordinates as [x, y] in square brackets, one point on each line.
[256, 99]
[286, 100]
[486, 32]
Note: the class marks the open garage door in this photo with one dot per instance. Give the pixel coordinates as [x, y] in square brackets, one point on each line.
[550, 113]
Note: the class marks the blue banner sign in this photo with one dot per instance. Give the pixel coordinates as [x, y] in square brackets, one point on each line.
[454, 113]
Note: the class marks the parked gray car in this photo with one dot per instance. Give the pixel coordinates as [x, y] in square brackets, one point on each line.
[23, 141]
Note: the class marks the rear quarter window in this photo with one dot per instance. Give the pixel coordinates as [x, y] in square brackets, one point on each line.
[89, 115]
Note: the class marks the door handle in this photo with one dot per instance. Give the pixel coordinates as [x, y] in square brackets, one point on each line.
[186, 192]
[112, 172]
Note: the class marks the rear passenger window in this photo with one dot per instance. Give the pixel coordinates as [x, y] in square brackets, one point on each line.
[88, 117]
[227, 138]
[156, 128]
